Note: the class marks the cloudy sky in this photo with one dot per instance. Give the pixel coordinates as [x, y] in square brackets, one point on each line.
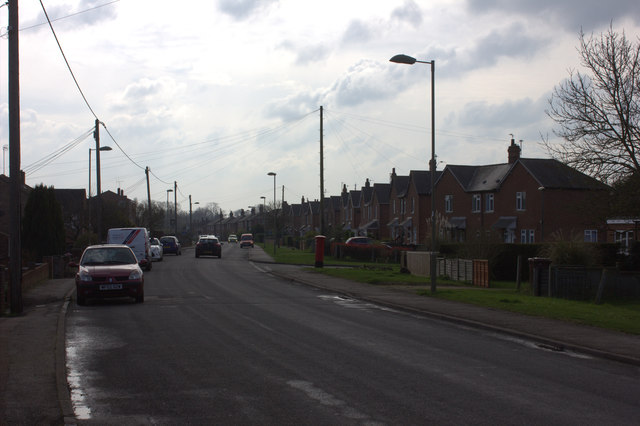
[214, 94]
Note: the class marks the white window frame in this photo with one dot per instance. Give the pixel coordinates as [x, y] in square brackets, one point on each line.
[590, 235]
[489, 203]
[521, 201]
[476, 203]
[448, 203]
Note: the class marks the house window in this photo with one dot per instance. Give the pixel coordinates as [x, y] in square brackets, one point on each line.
[527, 236]
[448, 203]
[488, 202]
[590, 235]
[520, 200]
[476, 203]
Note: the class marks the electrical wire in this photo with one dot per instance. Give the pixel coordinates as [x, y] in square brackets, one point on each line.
[39, 164]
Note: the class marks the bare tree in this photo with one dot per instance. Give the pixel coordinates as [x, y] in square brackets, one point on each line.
[598, 112]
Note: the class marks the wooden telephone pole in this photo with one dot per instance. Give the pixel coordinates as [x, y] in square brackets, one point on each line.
[15, 193]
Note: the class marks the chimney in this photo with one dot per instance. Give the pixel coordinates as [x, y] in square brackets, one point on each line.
[344, 188]
[393, 174]
[514, 152]
[367, 184]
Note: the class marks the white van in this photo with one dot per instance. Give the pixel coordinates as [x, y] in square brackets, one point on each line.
[136, 238]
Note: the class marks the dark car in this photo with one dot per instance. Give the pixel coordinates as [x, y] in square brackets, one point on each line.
[170, 244]
[109, 270]
[246, 240]
[208, 245]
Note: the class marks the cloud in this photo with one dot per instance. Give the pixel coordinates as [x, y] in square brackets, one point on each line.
[409, 12]
[358, 32]
[510, 42]
[243, 9]
[69, 16]
[307, 54]
[575, 14]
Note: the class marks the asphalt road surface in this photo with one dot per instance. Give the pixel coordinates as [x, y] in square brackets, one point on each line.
[219, 341]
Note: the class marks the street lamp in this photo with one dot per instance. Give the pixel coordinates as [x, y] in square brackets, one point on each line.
[166, 214]
[275, 213]
[264, 210]
[190, 214]
[404, 59]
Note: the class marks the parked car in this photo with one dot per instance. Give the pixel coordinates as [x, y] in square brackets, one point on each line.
[208, 244]
[233, 238]
[359, 241]
[156, 250]
[246, 240]
[171, 244]
[109, 270]
[136, 238]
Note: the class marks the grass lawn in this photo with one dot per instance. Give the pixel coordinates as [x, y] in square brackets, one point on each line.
[614, 315]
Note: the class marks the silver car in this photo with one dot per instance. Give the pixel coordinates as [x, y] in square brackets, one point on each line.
[156, 250]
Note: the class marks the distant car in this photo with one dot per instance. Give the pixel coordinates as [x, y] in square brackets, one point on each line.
[170, 244]
[156, 250]
[359, 241]
[233, 238]
[246, 240]
[109, 270]
[208, 245]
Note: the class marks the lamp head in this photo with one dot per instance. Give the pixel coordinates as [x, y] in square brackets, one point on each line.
[403, 59]
[271, 174]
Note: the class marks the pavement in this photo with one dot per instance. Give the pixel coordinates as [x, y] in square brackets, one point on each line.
[32, 352]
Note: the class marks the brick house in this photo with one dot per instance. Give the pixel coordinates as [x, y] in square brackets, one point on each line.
[523, 201]
[397, 223]
[375, 212]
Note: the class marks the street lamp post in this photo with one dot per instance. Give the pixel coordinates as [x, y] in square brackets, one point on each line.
[264, 211]
[191, 215]
[167, 211]
[404, 59]
[275, 213]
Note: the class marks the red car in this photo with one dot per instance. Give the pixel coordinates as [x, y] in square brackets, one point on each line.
[246, 240]
[109, 270]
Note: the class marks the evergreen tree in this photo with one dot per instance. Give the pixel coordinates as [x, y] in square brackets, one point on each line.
[43, 231]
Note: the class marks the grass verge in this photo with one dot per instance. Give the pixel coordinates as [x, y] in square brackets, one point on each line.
[614, 315]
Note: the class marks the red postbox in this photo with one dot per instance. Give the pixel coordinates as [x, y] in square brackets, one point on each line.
[320, 250]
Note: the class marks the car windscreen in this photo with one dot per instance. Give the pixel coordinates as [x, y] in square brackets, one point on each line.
[247, 237]
[108, 256]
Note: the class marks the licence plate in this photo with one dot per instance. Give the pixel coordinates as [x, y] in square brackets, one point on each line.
[110, 286]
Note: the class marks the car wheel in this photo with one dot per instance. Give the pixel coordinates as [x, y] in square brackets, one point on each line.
[220, 256]
[149, 265]
[197, 255]
[140, 298]
[81, 300]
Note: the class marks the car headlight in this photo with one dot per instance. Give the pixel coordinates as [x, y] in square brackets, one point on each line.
[84, 275]
[135, 275]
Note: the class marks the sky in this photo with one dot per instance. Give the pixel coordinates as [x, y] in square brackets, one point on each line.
[213, 95]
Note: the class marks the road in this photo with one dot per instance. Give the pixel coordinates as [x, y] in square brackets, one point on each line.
[221, 341]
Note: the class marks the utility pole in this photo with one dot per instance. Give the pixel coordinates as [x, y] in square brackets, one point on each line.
[322, 230]
[175, 208]
[146, 172]
[96, 135]
[15, 195]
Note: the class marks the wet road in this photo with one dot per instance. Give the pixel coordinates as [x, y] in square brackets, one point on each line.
[220, 341]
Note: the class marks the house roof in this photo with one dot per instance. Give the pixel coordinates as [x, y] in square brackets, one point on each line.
[552, 174]
[382, 192]
[421, 180]
[480, 178]
[549, 173]
[354, 196]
